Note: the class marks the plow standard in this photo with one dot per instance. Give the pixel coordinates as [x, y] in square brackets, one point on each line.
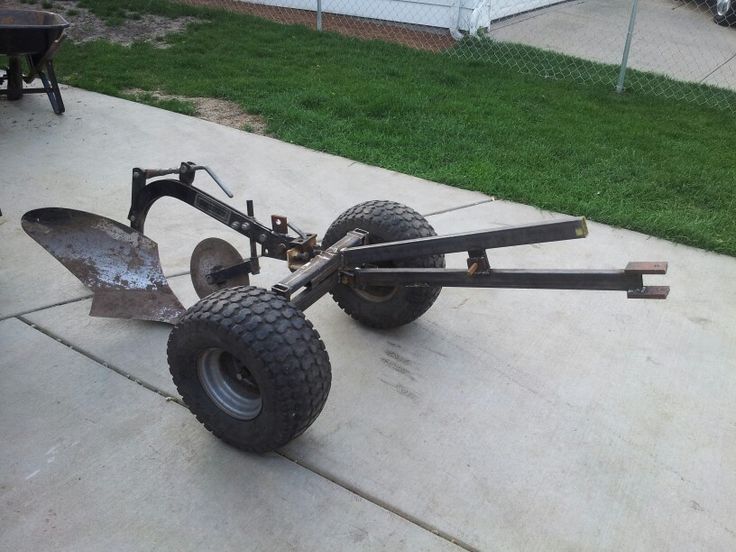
[245, 359]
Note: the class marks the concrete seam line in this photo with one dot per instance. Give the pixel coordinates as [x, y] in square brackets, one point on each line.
[44, 307]
[451, 209]
[102, 362]
[381, 504]
[177, 274]
[717, 68]
[69, 301]
[331, 478]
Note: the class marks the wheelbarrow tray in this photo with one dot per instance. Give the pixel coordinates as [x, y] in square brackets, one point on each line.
[24, 32]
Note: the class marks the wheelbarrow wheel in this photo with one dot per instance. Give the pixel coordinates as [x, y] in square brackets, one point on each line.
[250, 367]
[15, 79]
[380, 306]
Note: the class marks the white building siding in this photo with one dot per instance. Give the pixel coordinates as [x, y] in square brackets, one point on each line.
[466, 15]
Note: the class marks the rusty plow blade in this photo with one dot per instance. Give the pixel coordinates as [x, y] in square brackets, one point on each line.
[120, 265]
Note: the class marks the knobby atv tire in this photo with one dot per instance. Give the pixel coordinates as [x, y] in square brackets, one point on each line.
[386, 307]
[281, 350]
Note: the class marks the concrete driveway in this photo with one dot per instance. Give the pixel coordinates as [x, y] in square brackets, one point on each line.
[501, 420]
[677, 38]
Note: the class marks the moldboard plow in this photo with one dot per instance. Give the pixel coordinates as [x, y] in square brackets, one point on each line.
[245, 359]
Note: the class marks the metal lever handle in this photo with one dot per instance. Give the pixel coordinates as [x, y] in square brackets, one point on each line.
[219, 182]
[186, 174]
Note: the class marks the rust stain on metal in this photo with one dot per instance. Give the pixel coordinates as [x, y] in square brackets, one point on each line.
[646, 267]
[120, 265]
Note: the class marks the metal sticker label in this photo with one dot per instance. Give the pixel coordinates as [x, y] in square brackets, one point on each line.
[208, 206]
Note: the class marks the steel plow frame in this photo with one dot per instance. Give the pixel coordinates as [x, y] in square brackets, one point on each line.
[352, 261]
[245, 359]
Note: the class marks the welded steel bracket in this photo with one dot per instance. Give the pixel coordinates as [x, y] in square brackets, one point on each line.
[317, 277]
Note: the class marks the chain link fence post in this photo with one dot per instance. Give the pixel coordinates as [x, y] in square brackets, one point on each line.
[319, 15]
[627, 46]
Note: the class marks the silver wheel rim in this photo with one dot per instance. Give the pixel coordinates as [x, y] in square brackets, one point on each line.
[722, 7]
[229, 384]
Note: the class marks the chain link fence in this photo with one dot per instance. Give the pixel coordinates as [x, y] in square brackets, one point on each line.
[677, 49]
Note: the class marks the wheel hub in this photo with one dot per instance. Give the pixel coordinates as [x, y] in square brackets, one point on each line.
[229, 384]
[377, 294]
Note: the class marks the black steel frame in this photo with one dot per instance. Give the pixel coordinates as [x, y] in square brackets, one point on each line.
[273, 244]
[629, 279]
[349, 264]
[349, 261]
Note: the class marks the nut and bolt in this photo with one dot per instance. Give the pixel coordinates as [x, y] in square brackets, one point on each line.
[242, 226]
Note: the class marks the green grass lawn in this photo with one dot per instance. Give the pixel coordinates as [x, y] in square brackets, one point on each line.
[661, 167]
